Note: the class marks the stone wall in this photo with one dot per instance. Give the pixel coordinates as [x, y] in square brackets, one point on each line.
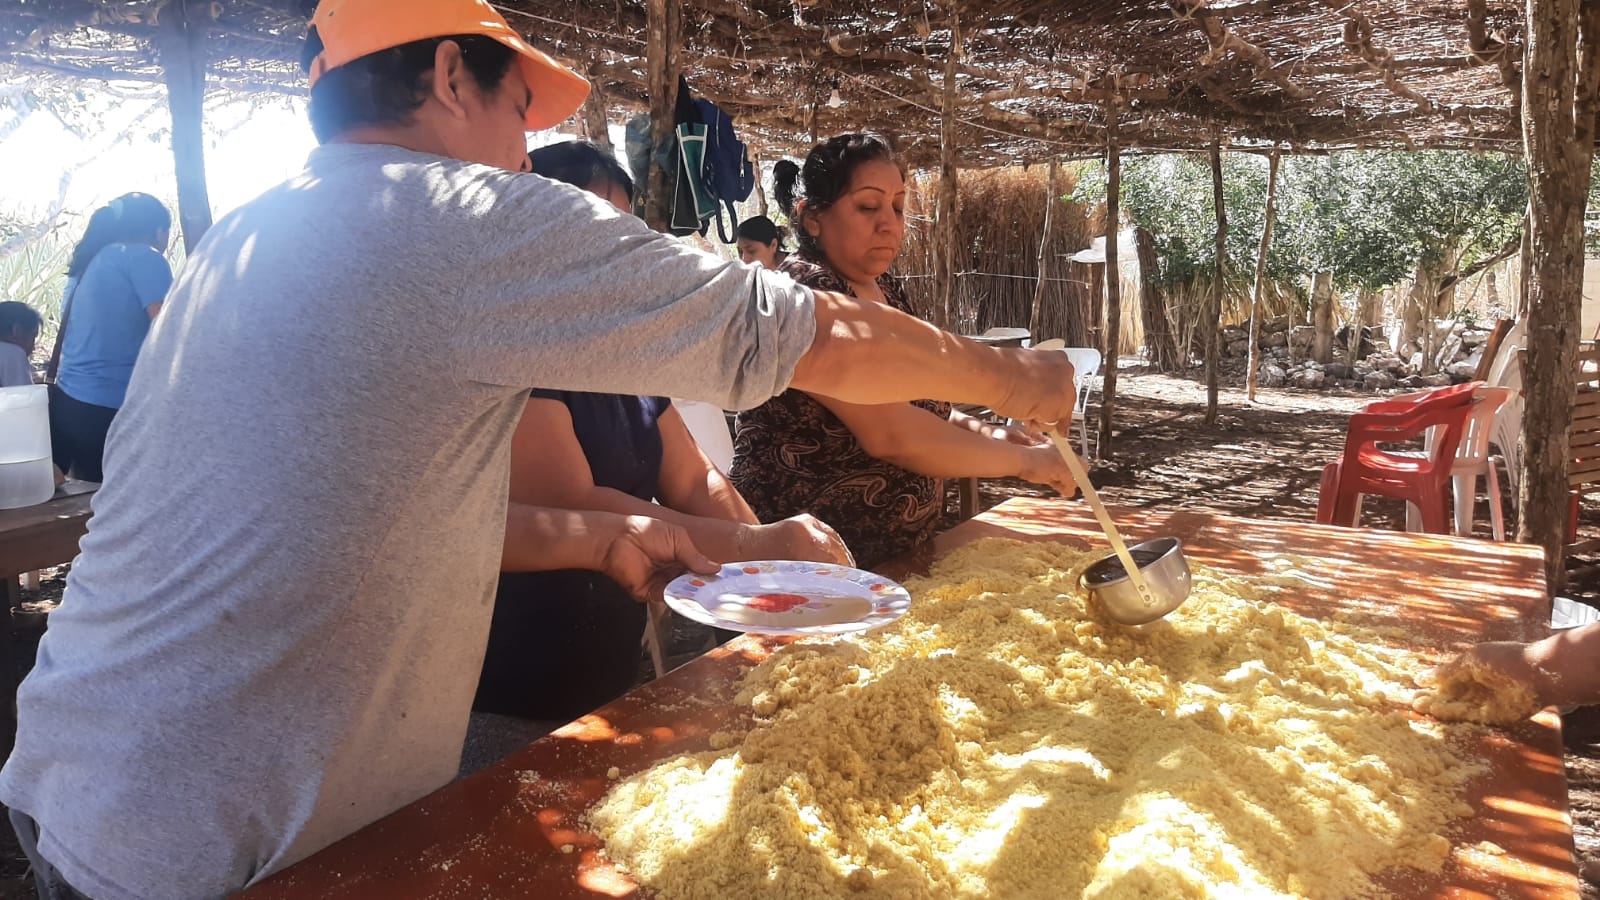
[1286, 351]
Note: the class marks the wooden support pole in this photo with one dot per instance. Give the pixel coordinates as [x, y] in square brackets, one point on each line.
[1261, 277]
[949, 193]
[1212, 320]
[596, 118]
[661, 51]
[761, 190]
[1036, 318]
[182, 31]
[1113, 332]
[1561, 80]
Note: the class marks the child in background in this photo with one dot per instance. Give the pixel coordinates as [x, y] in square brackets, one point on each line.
[19, 330]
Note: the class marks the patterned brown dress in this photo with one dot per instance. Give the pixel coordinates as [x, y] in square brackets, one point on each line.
[791, 456]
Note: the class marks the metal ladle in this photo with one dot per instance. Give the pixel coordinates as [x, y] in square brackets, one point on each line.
[1129, 565]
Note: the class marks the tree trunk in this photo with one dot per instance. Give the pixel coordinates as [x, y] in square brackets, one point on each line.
[1561, 76]
[1366, 314]
[761, 190]
[1212, 320]
[949, 195]
[1108, 385]
[1444, 297]
[1158, 336]
[661, 51]
[1261, 279]
[183, 62]
[1322, 317]
[1043, 260]
[596, 124]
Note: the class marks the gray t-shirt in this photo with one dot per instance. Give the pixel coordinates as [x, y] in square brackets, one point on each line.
[275, 626]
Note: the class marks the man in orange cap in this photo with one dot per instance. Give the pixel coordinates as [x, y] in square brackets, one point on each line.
[273, 631]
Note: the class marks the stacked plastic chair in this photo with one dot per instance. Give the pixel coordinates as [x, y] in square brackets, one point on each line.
[1420, 479]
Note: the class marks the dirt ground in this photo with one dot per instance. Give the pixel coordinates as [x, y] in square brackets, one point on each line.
[1262, 461]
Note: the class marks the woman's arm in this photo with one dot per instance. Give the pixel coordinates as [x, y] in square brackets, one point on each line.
[913, 438]
[639, 553]
[1013, 433]
[689, 482]
[548, 468]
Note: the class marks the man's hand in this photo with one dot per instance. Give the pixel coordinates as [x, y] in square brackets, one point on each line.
[803, 537]
[1038, 388]
[643, 554]
[1497, 683]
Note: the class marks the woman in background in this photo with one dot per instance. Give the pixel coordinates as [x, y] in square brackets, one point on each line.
[116, 280]
[760, 240]
[875, 472]
[563, 643]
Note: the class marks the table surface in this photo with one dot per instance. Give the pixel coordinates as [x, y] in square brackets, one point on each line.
[45, 534]
[499, 832]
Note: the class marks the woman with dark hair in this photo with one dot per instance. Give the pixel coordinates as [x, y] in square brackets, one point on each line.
[566, 642]
[116, 281]
[875, 472]
[760, 240]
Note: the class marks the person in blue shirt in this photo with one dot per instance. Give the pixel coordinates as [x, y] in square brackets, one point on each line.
[565, 642]
[19, 329]
[116, 281]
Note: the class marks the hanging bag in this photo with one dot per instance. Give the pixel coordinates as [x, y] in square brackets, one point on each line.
[727, 169]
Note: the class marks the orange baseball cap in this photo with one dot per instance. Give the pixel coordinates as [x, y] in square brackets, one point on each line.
[351, 29]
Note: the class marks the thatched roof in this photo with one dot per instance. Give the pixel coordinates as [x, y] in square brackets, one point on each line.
[1034, 79]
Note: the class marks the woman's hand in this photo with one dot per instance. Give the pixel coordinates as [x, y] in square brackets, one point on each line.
[1043, 465]
[1021, 436]
[803, 537]
[643, 554]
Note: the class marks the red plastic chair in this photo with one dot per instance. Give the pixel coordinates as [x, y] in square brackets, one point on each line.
[1364, 468]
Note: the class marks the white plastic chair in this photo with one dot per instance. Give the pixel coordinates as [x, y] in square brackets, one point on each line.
[1472, 460]
[1506, 371]
[708, 425]
[1085, 368]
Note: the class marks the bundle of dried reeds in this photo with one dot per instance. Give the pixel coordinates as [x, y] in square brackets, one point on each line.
[1000, 225]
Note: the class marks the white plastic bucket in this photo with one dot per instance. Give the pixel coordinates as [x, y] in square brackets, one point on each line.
[1567, 613]
[26, 476]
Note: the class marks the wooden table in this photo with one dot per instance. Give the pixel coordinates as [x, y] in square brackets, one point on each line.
[499, 833]
[35, 537]
[45, 534]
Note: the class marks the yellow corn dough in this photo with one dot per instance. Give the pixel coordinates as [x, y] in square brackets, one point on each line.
[1002, 741]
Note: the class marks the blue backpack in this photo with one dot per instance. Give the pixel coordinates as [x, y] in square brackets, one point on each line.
[727, 172]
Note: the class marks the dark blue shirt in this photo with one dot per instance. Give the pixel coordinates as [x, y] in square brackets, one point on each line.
[563, 643]
[619, 437]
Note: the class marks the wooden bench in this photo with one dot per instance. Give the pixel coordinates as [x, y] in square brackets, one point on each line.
[1583, 438]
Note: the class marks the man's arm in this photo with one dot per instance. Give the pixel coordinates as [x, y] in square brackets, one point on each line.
[1560, 670]
[867, 353]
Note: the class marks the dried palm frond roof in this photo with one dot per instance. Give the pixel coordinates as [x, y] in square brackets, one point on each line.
[1032, 79]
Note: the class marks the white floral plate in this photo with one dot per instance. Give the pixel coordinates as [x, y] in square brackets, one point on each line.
[789, 597]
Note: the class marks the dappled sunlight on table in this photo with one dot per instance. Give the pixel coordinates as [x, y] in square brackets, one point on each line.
[502, 832]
